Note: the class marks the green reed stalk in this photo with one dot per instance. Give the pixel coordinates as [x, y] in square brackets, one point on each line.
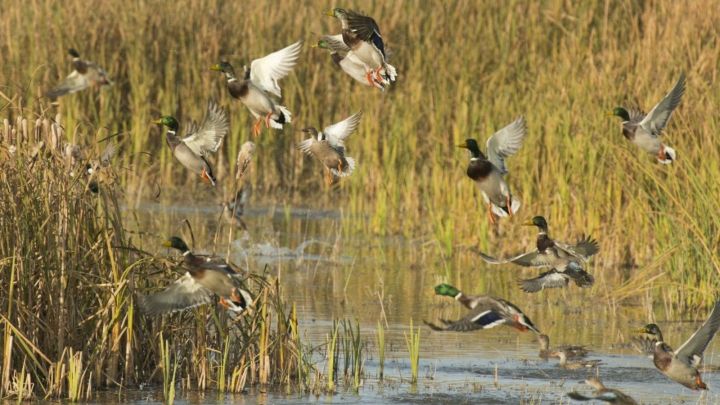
[413, 345]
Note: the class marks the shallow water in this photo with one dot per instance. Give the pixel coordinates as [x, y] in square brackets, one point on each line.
[330, 275]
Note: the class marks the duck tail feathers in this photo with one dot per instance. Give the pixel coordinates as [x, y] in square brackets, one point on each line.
[502, 212]
[284, 117]
[670, 155]
[347, 170]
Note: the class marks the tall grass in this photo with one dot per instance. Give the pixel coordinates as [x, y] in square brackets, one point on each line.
[412, 340]
[466, 69]
[69, 272]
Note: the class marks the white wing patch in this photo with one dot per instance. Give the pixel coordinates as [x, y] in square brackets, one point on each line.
[336, 133]
[266, 71]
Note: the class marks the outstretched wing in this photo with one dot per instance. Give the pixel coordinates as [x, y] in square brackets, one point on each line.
[336, 43]
[266, 71]
[184, 293]
[306, 145]
[366, 28]
[209, 135]
[658, 117]
[73, 83]
[336, 133]
[529, 259]
[582, 249]
[691, 352]
[481, 318]
[549, 279]
[506, 142]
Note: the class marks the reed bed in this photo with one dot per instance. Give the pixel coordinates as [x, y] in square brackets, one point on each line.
[466, 69]
[69, 272]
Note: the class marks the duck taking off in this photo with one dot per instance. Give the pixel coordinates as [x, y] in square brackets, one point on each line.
[328, 146]
[564, 260]
[85, 74]
[645, 130]
[489, 171]
[260, 83]
[206, 276]
[342, 57]
[193, 149]
[681, 365]
[485, 312]
[362, 35]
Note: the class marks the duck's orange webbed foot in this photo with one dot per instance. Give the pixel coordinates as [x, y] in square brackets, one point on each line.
[491, 215]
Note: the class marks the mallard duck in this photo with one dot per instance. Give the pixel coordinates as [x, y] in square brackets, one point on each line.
[340, 54]
[328, 146]
[362, 35]
[485, 312]
[259, 82]
[244, 157]
[575, 364]
[97, 169]
[192, 150]
[682, 364]
[603, 393]
[563, 259]
[571, 351]
[232, 211]
[645, 130]
[488, 172]
[205, 276]
[84, 75]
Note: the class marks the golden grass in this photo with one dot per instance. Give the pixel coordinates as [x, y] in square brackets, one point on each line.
[466, 69]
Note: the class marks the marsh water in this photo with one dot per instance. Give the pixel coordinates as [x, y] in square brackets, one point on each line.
[332, 272]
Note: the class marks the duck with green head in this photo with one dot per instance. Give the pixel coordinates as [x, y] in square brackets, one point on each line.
[341, 56]
[485, 312]
[362, 36]
[85, 74]
[489, 171]
[328, 146]
[681, 365]
[645, 130]
[564, 260]
[205, 277]
[259, 85]
[193, 149]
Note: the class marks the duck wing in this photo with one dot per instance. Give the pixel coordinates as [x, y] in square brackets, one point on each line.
[266, 71]
[655, 121]
[549, 279]
[691, 351]
[506, 142]
[184, 293]
[366, 28]
[74, 82]
[336, 133]
[582, 249]
[208, 137]
[529, 259]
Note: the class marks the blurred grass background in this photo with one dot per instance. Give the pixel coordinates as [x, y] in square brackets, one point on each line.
[466, 68]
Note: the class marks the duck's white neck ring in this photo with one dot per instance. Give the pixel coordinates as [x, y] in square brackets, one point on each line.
[185, 253]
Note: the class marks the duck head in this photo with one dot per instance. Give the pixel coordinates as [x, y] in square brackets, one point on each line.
[176, 243]
[472, 145]
[446, 290]
[620, 112]
[169, 122]
[539, 222]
